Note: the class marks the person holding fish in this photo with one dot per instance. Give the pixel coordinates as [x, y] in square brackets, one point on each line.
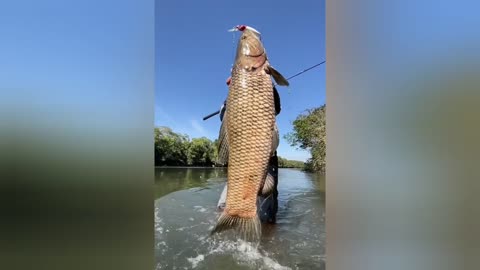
[249, 137]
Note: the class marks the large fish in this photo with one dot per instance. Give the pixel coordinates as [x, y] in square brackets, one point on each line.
[247, 136]
[267, 197]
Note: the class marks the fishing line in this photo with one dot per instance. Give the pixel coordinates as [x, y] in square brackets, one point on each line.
[233, 49]
[303, 71]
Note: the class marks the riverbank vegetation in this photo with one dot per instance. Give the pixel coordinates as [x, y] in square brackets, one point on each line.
[309, 132]
[285, 163]
[175, 149]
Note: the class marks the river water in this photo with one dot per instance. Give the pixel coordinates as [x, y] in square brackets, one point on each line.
[185, 212]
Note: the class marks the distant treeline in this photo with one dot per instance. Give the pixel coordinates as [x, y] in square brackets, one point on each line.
[175, 149]
[285, 163]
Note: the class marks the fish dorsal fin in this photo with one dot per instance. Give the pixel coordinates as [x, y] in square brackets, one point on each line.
[279, 79]
[222, 158]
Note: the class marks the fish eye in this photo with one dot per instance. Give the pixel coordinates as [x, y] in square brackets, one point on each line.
[244, 37]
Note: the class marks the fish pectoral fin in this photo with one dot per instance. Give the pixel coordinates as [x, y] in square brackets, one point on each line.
[279, 79]
[223, 142]
[248, 228]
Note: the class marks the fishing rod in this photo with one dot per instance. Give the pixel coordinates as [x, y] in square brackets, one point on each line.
[305, 70]
[291, 77]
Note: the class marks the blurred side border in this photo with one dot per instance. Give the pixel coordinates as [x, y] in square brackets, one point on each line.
[77, 107]
[402, 135]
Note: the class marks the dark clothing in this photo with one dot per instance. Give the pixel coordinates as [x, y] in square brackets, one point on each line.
[276, 97]
[267, 211]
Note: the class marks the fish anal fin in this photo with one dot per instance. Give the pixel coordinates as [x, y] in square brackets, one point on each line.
[268, 185]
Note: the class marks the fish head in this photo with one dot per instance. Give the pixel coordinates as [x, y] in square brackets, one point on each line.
[250, 51]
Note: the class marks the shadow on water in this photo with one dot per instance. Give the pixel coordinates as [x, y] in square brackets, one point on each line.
[185, 212]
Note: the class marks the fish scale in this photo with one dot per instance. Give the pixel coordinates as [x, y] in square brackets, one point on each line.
[251, 118]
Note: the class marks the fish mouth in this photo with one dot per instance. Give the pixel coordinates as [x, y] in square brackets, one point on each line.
[256, 55]
[252, 49]
[250, 45]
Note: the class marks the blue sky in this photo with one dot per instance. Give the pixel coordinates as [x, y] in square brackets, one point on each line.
[194, 54]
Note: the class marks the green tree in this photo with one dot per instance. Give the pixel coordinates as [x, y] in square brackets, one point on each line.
[309, 132]
[170, 148]
[174, 149]
[201, 152]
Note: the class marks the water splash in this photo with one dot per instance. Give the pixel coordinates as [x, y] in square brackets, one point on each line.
[195, 261]
[246, 253]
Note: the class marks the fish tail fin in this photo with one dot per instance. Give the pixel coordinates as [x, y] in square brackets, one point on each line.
[248, 228]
